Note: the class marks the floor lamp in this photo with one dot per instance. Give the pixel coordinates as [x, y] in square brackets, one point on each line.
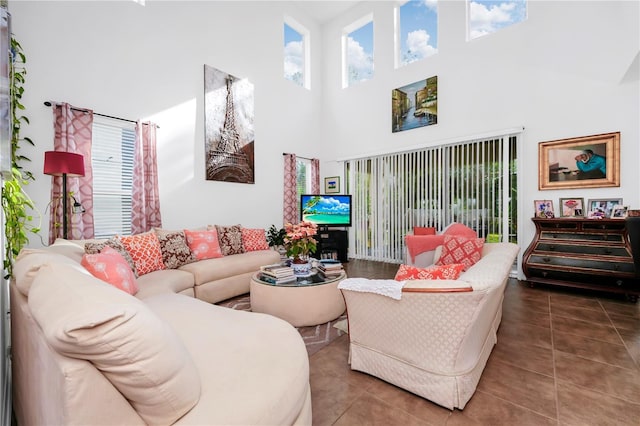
[65, 164]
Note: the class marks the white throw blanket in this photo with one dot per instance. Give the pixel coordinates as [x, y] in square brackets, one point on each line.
[389, 288]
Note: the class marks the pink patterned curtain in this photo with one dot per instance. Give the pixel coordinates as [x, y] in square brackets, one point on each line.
[290, 208]
[72, 133]
[145, 202]
[315, 176]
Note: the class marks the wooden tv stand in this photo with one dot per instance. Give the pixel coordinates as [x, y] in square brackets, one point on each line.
[592, 254]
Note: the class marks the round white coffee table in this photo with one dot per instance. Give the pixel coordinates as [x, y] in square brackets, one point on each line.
[309, 301]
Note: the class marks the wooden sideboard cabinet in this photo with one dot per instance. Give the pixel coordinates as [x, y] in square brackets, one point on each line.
[585, 253]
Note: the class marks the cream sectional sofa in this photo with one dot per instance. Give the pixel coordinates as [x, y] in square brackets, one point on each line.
[435, 340]
[85, 352]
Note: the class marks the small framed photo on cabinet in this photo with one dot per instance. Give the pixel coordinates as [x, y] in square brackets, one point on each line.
[544, 209]
[572, 207]
[619, 212]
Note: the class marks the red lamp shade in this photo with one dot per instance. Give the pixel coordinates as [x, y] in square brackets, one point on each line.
[57, 163]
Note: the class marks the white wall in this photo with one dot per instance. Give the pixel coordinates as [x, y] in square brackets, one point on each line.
[563, 73]
[123, 59]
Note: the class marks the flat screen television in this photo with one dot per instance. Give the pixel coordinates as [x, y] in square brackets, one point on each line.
[326, 210]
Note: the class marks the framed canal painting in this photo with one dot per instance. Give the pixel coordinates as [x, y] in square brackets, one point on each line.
[415, 105]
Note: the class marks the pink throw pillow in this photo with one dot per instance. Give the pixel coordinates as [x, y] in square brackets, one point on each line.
[443, 272]
[145, 251]
[254, 239]
[204, 244]
[421, 230]
[467, 251]
[111, 267]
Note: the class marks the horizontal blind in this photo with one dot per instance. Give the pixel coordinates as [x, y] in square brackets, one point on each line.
[471, 182]
[112, 153]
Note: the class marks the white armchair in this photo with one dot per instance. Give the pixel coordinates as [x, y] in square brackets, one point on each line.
[435, 340]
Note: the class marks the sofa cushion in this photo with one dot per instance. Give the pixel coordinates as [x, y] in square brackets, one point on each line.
[230, 238]
[254, 239]
[145, 251]
[175, 250]
[93, 247]
[28, 264]
[85, 318]
[443, 272]
[254, 368]
[204, 244]
[421, 230]
[463, 250]
[165, 281]
[112, 268]
[209, 270]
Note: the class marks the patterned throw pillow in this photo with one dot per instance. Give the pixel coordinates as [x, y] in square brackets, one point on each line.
[203, 244]
[145, 251]
[230, 238]
[111, 267]
[444, 272]
[114, 243]
[175, 250]
[254, 239]
[463, 250]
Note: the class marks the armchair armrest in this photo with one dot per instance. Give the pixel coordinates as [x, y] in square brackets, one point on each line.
[436, 286]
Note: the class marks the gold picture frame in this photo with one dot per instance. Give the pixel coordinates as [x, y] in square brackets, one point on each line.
[583, 162]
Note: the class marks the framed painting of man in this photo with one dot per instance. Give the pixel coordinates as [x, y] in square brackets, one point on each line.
[582, 162]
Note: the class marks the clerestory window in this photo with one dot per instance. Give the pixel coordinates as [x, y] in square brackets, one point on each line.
[488, 16]
[357, 52]
[296, 53]
[416, 31]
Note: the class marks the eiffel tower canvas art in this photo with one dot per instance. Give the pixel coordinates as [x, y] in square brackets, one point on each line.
[229, 132]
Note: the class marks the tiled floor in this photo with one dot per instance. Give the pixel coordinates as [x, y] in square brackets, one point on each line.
[563, 358]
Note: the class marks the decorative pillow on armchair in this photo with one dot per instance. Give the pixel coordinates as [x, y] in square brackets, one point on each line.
[421, 230]
[230, 238]
[443, 272]
[467, 251]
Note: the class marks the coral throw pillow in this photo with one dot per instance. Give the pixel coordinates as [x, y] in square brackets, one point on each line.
[175, 250]
[114, 243]
[421, 230]
[443, 272]
[145, 251]
[111, 267]
[254, 239]
[230, 238]
[203, 244]
[463, 250]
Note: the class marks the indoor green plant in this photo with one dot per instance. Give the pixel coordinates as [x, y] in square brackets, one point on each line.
[275, 236]
[16, 204]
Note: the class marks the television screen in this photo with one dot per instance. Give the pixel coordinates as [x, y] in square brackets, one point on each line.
[326, 210]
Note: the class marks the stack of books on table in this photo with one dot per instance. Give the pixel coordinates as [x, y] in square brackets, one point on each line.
[277, 274]
[330, 268]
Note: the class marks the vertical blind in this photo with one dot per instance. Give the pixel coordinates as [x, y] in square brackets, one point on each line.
[112, 152]
[472, 182]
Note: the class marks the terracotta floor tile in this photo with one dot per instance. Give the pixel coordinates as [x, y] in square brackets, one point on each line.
[589, 315]
[595, 350]
[574, 301]
[519, 386]
[369, 410]
[598, 331]
[579, 406]
[330, 397]
[486, 409]
[511, 331]
[625, 322]
[615, 381]
[523, 355]
[621, 308]
[526, 315]
[631, 341]
[409, 402]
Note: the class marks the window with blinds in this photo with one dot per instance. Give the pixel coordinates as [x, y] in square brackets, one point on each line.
[473, 182]
[112, 152]
[303, 176]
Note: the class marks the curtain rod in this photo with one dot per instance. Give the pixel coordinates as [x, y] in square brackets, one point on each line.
[298, 156]
[47, 103]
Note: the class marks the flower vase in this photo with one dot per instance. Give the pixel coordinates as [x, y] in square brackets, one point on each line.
[301, 267]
